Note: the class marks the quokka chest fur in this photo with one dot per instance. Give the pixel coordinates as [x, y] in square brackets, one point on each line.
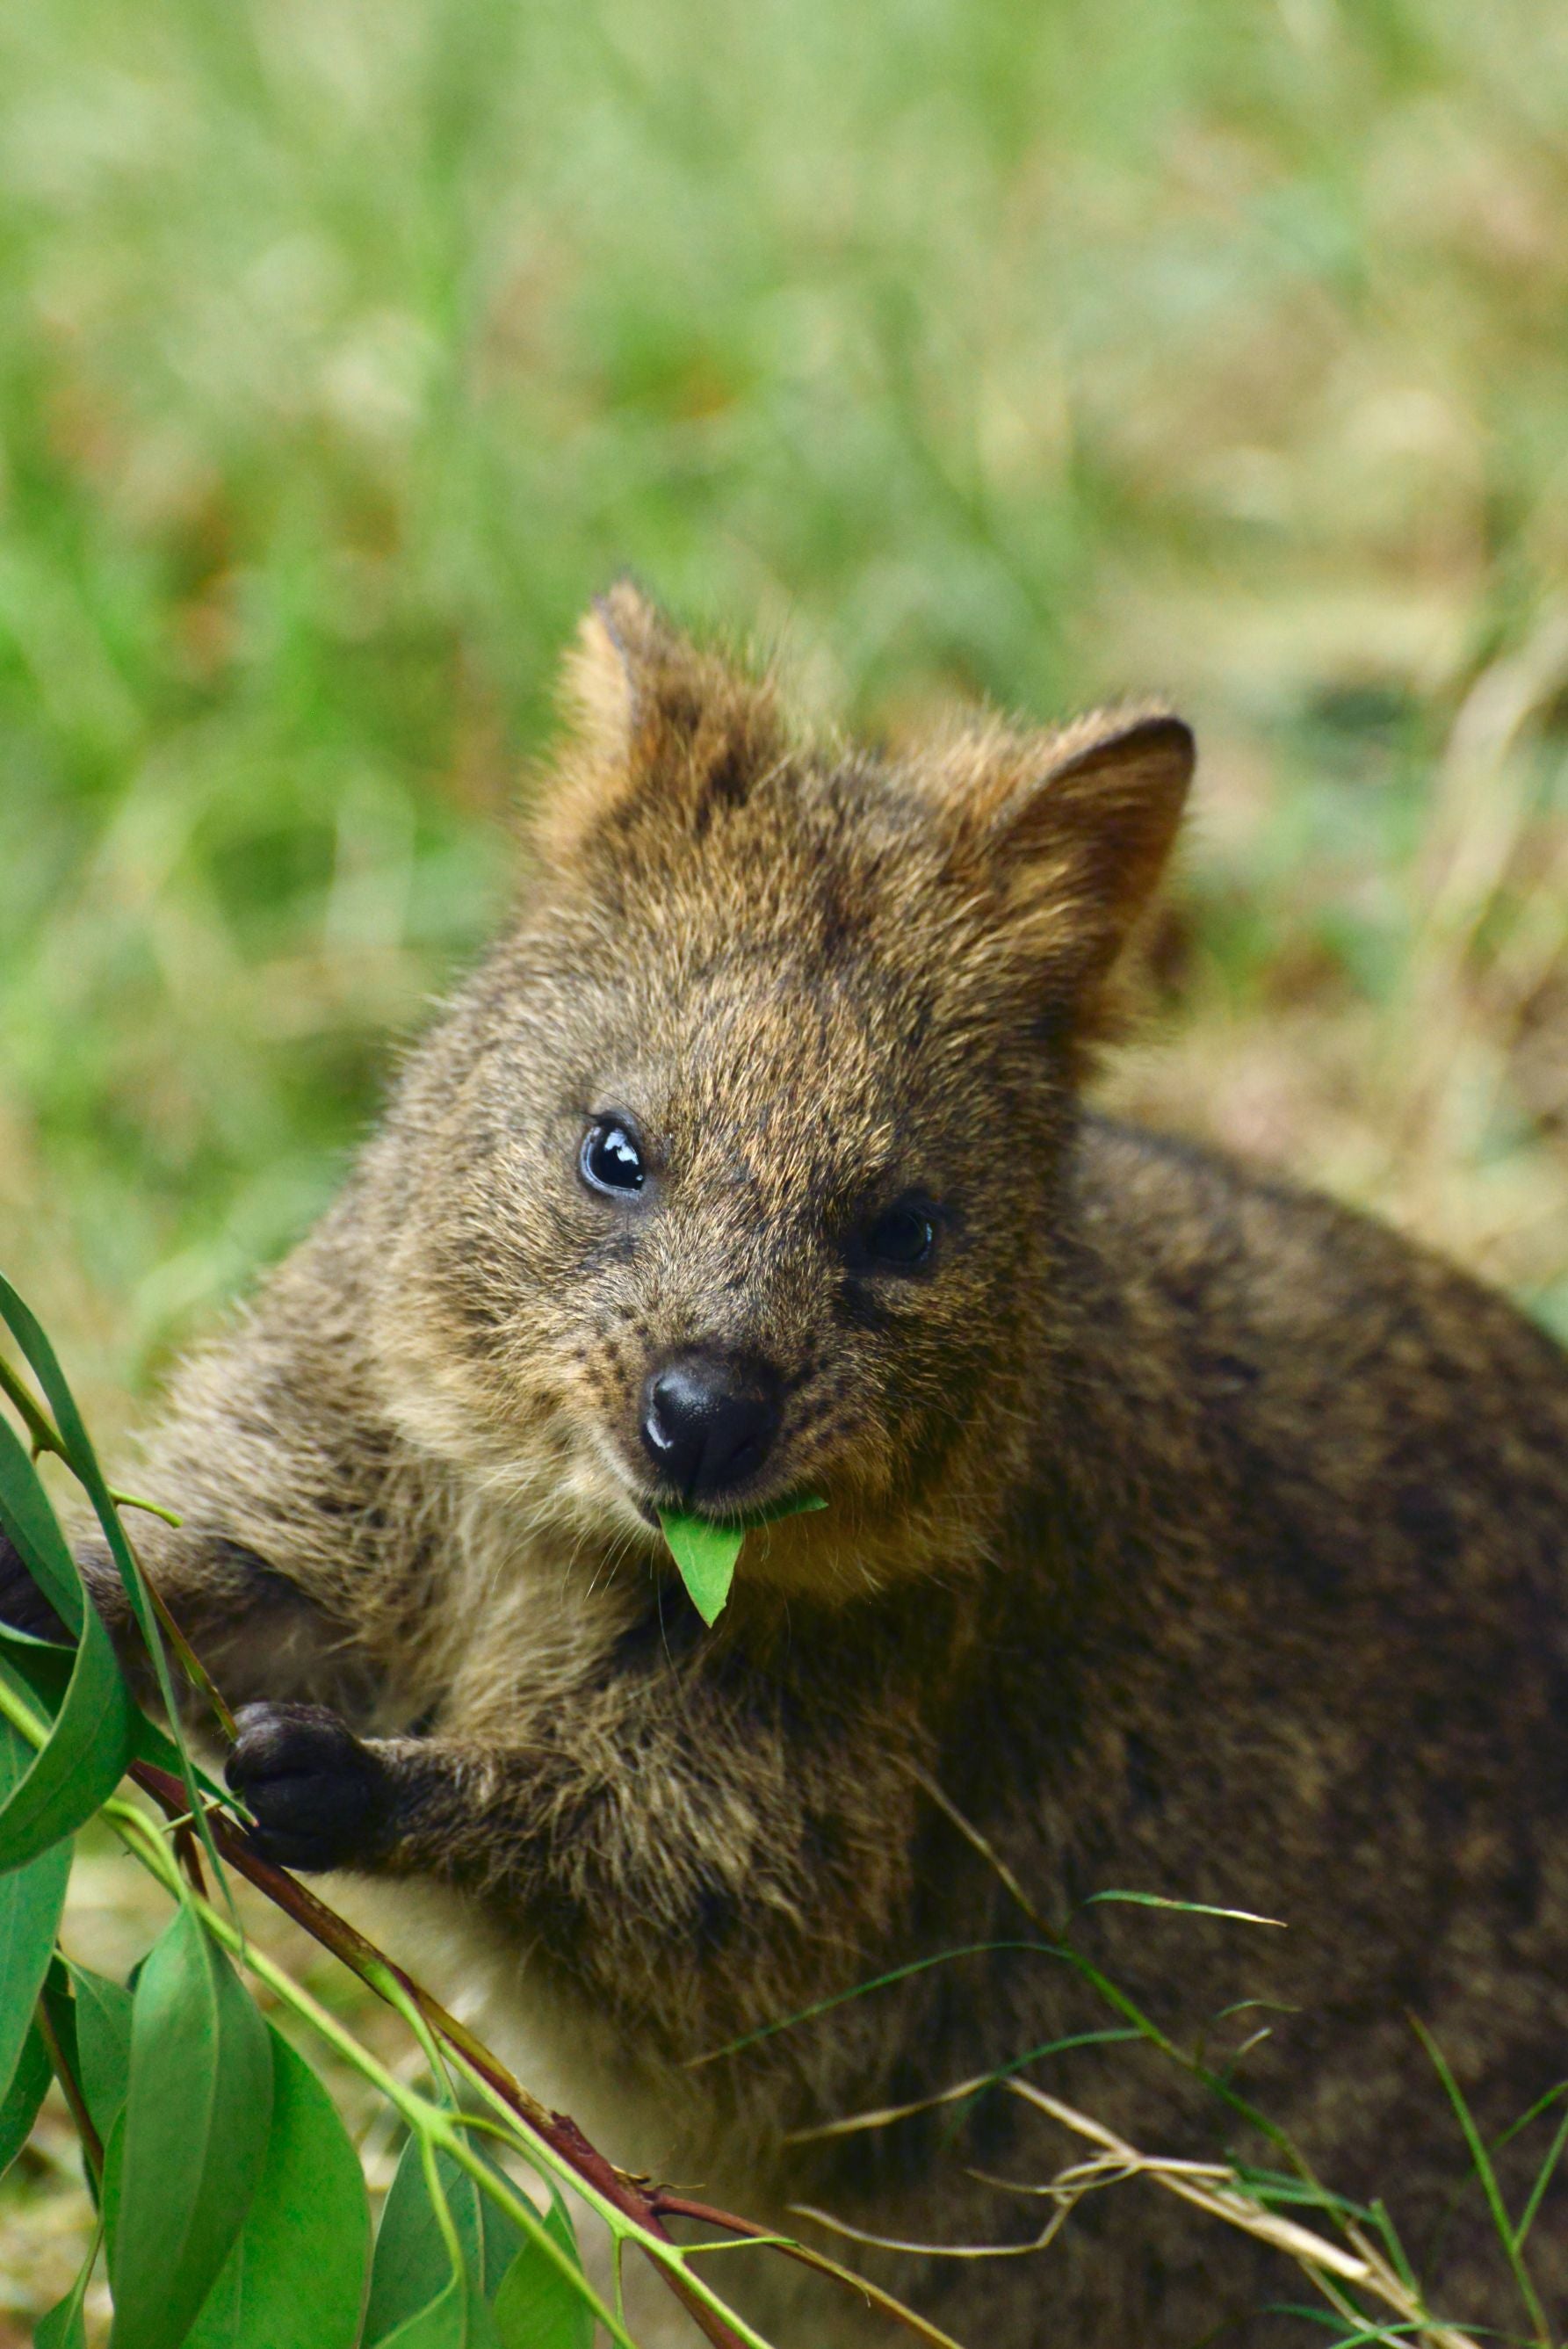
[1185, 1534]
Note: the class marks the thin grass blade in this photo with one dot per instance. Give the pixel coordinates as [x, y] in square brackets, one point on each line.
[1486, 2173]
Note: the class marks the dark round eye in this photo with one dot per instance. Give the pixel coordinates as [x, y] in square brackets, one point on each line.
[611, 1159]
[902, 1238]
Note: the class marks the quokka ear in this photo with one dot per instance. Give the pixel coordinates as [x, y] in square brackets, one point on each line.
[655, 724]
[626, 648]
[1074, 829]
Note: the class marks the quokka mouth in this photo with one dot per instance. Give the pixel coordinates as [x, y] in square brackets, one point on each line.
[741, 1516]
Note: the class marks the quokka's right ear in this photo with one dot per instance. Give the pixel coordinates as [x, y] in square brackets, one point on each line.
[654, 724]
[1070, 832]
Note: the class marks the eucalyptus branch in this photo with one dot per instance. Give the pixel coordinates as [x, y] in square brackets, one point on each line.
[430, 2121]
[634, 2212]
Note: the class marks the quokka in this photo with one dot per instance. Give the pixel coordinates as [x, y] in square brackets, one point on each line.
[1184, 1533]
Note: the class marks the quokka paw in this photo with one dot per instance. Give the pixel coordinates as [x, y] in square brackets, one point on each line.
[320, 1796]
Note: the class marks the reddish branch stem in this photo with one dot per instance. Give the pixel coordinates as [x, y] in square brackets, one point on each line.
[647, 2207]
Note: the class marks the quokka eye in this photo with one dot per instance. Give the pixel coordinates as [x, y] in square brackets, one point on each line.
[610, 1158]
[902, 1238]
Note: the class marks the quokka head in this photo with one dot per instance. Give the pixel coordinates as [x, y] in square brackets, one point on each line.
[732, 1176]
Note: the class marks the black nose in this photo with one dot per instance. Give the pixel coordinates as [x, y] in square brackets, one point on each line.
[710, 1423]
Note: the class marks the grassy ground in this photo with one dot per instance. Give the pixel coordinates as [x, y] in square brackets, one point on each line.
[347, 349]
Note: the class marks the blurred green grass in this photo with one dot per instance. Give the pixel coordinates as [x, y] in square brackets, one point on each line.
[346, 350]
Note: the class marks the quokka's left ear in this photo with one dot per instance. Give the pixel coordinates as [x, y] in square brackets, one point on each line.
[626, 659]
[1073, 829]
[657, 726]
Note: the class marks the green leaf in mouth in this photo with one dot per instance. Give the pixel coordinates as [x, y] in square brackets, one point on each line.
[706, 1549]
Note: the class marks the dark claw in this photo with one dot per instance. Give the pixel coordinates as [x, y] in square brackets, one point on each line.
[320, 1796]
[22, 1606]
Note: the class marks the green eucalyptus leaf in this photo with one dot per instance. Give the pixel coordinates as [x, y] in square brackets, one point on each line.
[87, 1749]
[536, 2307]
[457, 2318]
[195, 2128]
[79, 1454]
[412, 2266]
[31, 1899]
[83, 1461]
[65, 2327]
[498, 2232]
[28, 1517]
[19, 2106]
[103, 2022]
[799, 1504]
[82, 1761]
[43, 1667]
[113, 2168]
[217, 2325]
[59, 2012]
[705, 1553]
[60, 2008]
[705, 1550]
[295, 2277]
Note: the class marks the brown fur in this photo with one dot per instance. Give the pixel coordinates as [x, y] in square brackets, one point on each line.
[1193, 1534]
